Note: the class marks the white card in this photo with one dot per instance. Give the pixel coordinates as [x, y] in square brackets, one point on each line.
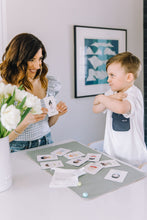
[73, 155]
[77, 161]
[93, 157]
[51, 164]
[46, 157]
[109, 163]
[60, 151]
[51, 105]
[64, 178]
[116, 175]
[93, 168]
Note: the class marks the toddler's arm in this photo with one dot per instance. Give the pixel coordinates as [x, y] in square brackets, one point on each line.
[115, 103]
[97, 106]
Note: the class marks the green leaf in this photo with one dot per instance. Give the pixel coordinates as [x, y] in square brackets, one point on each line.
[11, 100]
[20, 106]
[3, 131]
[21, 87]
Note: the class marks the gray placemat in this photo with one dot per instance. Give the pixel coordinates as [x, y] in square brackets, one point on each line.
[94, 185]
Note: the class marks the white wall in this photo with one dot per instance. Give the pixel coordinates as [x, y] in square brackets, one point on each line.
[3, 27]
[52, 21]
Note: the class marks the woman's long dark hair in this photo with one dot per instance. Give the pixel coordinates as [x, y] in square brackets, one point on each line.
[21, 49]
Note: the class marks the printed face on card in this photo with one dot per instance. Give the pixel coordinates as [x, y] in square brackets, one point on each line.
[93, 157]
[46, 157]
[73, 155]
[51, 105]
[93, 168]
[60, 151]
[109, 163]
[77, 161]
[116, 175]
[51, 164]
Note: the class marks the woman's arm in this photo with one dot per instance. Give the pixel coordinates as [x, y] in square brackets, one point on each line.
[62, 109]
[29, 119]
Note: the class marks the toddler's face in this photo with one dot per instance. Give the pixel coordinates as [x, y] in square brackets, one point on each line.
[117, 78]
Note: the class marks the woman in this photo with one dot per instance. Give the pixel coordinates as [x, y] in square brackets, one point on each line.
[23, 64]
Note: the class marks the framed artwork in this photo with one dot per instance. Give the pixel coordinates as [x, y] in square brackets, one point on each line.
[93, 46]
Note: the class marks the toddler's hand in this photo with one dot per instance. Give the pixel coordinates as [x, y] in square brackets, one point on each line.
[119, 96]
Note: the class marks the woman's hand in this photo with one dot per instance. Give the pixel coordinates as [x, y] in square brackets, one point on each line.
[62, 108]
[29, 119]
[33, 118]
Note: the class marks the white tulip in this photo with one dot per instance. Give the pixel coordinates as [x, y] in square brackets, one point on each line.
[9, 89]
[20, 94]
[34, 103]
[2, 88]
[10, 117]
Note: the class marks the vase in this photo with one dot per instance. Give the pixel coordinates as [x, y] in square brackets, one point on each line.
[5, 164]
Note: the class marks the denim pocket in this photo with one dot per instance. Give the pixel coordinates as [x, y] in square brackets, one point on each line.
[18, 145]
[49, 138]
[120, 123]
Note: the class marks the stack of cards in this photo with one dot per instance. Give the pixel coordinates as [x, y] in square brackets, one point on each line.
[77, 158]
[66, 177]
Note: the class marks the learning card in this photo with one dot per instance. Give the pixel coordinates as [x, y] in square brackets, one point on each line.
[73, 155]
[93, 157]
[93, 168]
[60, 151]
[46, 157]
[116, 175]
[109, 163]
[77, 161]
[50, 104]
[51, 164]
[66, 177]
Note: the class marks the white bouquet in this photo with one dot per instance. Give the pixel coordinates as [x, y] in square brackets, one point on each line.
[15, 104]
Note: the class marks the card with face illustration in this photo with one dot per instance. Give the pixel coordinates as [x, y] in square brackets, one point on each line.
[51, 164]
[46, 157]
[109, 163]
[93, 168]
[74, 154]
[60, 151]
[77, 161]
[50, 104]
[116, 175]
[93, 157]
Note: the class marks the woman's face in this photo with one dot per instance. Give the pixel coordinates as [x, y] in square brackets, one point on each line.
[34, 64]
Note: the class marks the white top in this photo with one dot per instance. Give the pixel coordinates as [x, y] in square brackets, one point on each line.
[127, 145]
[41, 128]
[31, 198]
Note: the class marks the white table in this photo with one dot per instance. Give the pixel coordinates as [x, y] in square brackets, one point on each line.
[30, 198]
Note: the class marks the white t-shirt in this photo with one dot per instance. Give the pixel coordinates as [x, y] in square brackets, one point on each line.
[124, 137]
